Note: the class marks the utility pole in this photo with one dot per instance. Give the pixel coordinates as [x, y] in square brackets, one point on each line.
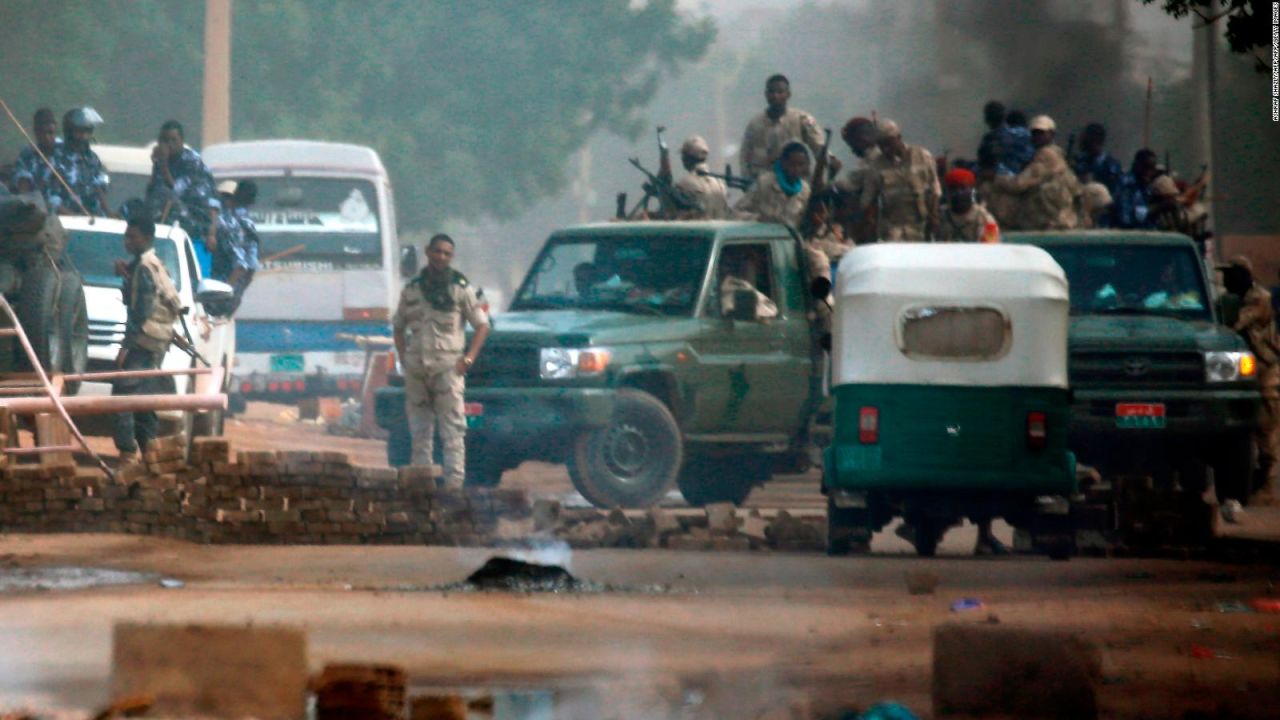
[216, 125]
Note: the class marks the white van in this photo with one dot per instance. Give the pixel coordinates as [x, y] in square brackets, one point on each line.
[94, 244]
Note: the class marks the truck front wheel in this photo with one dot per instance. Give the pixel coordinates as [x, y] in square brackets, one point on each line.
[632, 461]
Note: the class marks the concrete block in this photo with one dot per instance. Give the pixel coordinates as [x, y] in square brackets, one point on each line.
[437, 707]
[546, 514]
[1014, 672]
[219, 671]
[722, 518]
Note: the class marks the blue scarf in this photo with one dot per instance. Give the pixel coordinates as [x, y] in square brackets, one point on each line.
[790, 189]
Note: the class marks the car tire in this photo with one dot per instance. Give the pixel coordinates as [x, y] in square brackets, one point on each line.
[39, 313]
[484, 467]
[705, 480]
[632, 461]
[399, 447]
[73, 318]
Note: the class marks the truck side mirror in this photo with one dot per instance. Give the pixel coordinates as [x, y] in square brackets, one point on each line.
[820, 288]
[408, 261]
[744, 306]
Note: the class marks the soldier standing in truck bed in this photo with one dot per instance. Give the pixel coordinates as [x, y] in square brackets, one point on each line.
[1256, 324]
[771, 130]
[709, 196]
[1047, 188]
[430, 324]
[903, 192]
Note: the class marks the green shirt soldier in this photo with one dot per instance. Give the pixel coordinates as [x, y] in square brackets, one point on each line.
[430, 335]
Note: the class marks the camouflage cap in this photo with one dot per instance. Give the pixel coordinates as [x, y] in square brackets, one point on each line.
[1238, 261]
[696, 146]
[889, 129]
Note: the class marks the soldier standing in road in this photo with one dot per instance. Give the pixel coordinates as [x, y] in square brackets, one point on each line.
[30, 173]
[80, 167]
[153, 305]
[771, 130]
[430, 338]
[1256, 324]
[965, 219]
[782, 193]
[709, 195]
[904, 190]
[1047, 188]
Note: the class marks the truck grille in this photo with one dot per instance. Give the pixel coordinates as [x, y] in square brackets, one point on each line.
[505, 365]
[1136, 369]
[105, 333]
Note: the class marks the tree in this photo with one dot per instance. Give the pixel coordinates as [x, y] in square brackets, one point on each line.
[474, 107]
[1248, 22]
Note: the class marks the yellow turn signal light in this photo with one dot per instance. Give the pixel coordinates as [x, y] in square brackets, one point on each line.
[1248, 365]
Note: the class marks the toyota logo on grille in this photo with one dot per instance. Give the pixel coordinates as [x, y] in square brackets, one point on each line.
[1136, 367]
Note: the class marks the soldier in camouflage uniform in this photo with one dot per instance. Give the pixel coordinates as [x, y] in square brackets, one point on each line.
[782, 193]
[1047, 188]
[903, 192]
[80, 167]
[30, 173]
[708, 194]
[1256, 323]
[430, 339]
[860, 135]
[965, 219]
[771, 130]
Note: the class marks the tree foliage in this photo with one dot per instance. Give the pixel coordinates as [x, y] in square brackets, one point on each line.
[475, 107]
[1248, 22]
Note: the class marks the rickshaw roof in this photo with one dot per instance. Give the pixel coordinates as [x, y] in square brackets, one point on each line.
[959, 270]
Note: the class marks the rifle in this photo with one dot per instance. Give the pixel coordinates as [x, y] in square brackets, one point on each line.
[1071, 148]
[184, 342]
[669, 198]
[620, 211]
[737, 182]
[819, 177]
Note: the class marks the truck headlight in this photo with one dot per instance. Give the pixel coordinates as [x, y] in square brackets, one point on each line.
[565, 363]
[1229, 366]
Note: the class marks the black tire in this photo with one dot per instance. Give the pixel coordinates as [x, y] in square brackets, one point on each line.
[1233, 469]
[73, 318]
[705, 480]
[633, 461]
[848, 530]
[38, 311]
[929, 533]
[400, 447]
[484, 467]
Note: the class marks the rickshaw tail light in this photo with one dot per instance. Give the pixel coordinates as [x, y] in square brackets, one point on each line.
[869, 425]
[1037, 430]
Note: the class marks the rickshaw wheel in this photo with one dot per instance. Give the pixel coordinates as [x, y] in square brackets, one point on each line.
[928, 532]
[632, 461]
[848, 530]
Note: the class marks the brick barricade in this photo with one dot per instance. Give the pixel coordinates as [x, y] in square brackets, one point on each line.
[257, 498]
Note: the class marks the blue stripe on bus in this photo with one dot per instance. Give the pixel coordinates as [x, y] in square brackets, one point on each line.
[278, 336]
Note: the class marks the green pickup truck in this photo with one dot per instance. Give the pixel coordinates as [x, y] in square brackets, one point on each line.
[1162, 388]
[619, 358]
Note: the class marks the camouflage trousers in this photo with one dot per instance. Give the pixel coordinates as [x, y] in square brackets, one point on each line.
[1267, 437]
[433, 399]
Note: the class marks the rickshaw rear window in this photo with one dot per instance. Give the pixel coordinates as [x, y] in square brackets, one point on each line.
[954, 333]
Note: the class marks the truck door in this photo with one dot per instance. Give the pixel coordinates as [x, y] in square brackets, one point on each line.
[750, 381]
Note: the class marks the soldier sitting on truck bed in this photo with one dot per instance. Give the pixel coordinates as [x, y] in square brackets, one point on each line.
[709, 196]
[80, 167]
[780, 194]
[181, 187]
[30, 171]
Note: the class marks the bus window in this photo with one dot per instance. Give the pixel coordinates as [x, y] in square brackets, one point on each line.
[318, 222]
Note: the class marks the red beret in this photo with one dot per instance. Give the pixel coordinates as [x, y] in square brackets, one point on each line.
[959, 178]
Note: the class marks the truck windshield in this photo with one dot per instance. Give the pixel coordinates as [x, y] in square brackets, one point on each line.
[656, 275]
[95, 253]
[1134, 280]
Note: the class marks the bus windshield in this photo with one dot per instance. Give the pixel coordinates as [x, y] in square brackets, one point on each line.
[317, 223]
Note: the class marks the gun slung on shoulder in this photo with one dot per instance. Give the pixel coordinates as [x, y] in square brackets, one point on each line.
[668, 196]
[737, 182]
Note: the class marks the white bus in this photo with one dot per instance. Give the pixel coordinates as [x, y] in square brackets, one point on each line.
[330, 262]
